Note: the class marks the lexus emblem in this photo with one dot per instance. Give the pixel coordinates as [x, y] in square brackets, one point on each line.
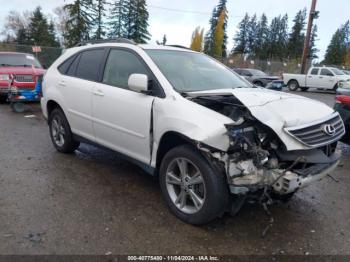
[329, 130]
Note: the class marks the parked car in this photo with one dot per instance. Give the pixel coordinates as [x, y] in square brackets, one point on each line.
[24, 68]
[259, 78]
[317, 77]
[213, 139]
[342, 105]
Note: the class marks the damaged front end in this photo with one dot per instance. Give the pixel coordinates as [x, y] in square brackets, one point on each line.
[257, 160]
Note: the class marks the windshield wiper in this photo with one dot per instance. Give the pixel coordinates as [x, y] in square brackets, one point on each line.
[6, 65]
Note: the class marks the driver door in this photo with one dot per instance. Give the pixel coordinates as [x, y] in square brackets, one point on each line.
[121, 117]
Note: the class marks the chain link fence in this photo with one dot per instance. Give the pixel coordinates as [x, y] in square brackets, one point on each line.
[270, 67]
[46, 57]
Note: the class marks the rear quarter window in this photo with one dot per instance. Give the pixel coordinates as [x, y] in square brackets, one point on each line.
[63, 68]
[89, 64]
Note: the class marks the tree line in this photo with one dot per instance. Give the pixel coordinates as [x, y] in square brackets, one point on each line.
[256, 37]
[79, 21]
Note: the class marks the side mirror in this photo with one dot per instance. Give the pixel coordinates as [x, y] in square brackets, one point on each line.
[138, 83]
[330, 74]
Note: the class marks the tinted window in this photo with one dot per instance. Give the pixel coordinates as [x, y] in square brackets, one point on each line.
[63, 68]
[314, 71]
[120, 65]
[89, 64]
[326, 72]
[73, 67]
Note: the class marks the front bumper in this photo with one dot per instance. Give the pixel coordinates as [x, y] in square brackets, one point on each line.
[292, 181]
[281, 182]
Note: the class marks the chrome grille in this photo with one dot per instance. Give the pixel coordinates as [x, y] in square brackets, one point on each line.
[316, 135]
[24, 78]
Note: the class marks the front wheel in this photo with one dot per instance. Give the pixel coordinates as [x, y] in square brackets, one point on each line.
[60, 132]
[193, 191]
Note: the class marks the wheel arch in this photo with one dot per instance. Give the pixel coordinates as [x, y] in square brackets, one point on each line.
[293, 79]
[52, 105]
[168, 141]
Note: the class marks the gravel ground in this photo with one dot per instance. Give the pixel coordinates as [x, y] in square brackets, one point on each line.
[92, 202]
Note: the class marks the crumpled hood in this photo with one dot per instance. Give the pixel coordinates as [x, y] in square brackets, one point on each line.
[292, 110]
[277, 110]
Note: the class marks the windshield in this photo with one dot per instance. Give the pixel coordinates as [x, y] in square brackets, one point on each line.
[257, 72]
[189, 72]
[337, 72]
[347, 72]
[18, 60]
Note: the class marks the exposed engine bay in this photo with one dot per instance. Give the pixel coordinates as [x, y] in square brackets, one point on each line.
[257, 158]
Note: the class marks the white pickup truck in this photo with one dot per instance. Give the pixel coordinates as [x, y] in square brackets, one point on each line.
[317, 77]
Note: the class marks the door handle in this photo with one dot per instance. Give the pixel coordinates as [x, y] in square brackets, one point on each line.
[62, 83]
[98, 93]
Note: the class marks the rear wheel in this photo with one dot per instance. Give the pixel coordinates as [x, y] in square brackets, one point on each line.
[60, 132]
[193, 191]
[293, 85]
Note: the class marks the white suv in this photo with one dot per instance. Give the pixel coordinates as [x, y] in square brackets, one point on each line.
[213, 139]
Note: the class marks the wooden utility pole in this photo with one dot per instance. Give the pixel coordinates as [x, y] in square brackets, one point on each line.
[312, 16]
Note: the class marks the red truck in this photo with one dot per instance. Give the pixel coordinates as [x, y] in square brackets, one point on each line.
[25, 70]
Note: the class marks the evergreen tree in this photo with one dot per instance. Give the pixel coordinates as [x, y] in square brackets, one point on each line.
[197, 40]
[52, 35]
[278, 38]
[337, 49]
[39, 32]
[297, 36]
[209, 37]
[262, 33]
[117, 19]
[241, 37]
[80, 21]
[313, 49]
[99, 10]
[137, 21]
[252, 35]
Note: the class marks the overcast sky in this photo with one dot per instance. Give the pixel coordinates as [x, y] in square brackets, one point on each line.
[178, 25]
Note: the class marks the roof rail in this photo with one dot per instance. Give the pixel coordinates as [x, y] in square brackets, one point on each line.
[179, 46]
[103, 41]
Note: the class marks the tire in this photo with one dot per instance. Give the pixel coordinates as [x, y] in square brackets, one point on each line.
[259, 84]
[211, 189]
[18, 107]
[293, 85]
[304, 89]
[335, 88]
[60, 132]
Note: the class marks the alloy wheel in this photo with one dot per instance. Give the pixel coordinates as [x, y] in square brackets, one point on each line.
[185, 185]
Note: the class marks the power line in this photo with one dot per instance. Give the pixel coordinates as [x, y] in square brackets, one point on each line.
[187, 11]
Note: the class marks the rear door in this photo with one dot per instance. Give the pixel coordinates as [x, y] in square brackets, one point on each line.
[121, 117]
[312, 79]
[76, 86]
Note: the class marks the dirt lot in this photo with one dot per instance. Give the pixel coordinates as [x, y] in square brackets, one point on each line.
[92, 202]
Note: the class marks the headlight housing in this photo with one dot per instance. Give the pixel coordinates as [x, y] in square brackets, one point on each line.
[4, 77]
